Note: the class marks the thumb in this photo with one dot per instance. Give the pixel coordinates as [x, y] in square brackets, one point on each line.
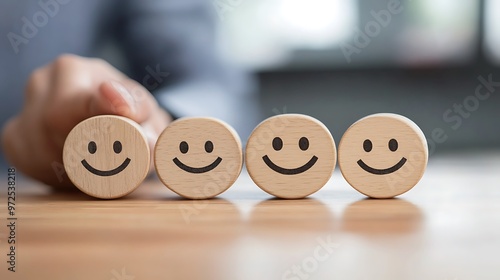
[126, 98]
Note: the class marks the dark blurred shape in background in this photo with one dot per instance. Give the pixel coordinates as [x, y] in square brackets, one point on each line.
[339, 60]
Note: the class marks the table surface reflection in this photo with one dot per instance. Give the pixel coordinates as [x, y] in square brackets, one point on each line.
[447, 227]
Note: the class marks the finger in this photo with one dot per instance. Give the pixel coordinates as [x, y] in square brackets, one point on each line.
[73, 94]
[124, 98]
[69, 110]
[127, 98]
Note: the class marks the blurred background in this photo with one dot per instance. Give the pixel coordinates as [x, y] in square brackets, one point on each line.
[340, 60]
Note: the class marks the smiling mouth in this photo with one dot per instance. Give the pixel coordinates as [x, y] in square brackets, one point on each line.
[291, 171]
[197, 169]
[105, 173]
[376, 171]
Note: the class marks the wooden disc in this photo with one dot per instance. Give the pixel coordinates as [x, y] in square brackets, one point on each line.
[106, 156]
[383, 155]
[198, 158]
[290, 155]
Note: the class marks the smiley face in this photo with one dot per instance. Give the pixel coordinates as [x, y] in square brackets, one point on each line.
[106, 156]
[117, 148]
[278, 145]
[184, 148]
[290, 155]
[198, 158]
[383, 155]
[393, 146]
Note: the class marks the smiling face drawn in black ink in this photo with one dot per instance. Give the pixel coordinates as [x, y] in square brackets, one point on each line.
[278, 145]
[383, 155]
[106, 156]
[393, 146]
[184, 148]
[290, 155]
[117, 148]
[198, 157]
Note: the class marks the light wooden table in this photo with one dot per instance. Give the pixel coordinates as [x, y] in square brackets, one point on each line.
[447, 227]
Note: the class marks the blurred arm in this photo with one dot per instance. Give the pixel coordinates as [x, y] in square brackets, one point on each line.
[172, 48]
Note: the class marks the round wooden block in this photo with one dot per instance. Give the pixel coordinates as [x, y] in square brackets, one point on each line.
[383, 155]
[198, 158]
[290, 155]
[106, 156]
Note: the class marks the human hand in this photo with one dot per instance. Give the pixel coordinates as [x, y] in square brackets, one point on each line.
[60, 95]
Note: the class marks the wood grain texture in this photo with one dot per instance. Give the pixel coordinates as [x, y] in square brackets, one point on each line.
[383, 155]
[106, 156]
[290, 155]
[198, 158]
[446, 228]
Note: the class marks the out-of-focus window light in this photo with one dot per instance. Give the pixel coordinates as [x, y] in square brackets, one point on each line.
[492, 30]
[264, 33]
[315, 24]
[439, 31]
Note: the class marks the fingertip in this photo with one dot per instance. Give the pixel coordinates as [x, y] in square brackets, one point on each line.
[117, 99]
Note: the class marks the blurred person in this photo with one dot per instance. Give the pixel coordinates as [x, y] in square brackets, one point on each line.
[169, 48]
